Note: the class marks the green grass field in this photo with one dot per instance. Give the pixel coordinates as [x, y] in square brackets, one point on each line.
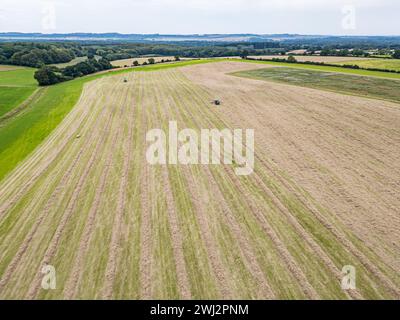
[11, 97]
[388, 64]
[18, 78]
[328, 69]
[20, 136]
[361, 86]
[15, 87]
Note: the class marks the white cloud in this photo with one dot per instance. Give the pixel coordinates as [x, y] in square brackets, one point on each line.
[202, 16]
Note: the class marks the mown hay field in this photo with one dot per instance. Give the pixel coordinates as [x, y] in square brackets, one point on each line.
[323, 195]
[25, 125]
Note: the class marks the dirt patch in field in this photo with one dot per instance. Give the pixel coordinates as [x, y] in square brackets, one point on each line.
[9, 68]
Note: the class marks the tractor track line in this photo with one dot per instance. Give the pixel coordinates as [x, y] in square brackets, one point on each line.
[315, 247]
[176, 233]
[342, 238]
[282, 250]
[220, 272]
[115, 248]
[145, 262]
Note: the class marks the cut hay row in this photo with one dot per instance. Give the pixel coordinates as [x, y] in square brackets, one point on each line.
[34, 176]
[222, 210]
[42, 213]
[228, 212]
[66, 194]
[256, 107]
[221, 82]
[155, 280]
[102, 211]
[115, 227]
[118, 225]
[249, 269]
[164, 109]
[200, 274]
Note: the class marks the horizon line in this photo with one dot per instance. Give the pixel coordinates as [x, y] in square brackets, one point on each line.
[200, 34]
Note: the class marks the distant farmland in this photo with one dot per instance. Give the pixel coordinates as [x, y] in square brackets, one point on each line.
[71, 63]
[323, 195]
[129, 62]
[385, 64]
[386, 89]
[326, 59]
[388, 64]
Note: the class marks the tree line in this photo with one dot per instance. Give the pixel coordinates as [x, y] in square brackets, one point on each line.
[49, 75]
[127, 51]
[37, 54]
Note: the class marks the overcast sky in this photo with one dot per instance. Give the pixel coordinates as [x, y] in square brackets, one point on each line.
[340, 17]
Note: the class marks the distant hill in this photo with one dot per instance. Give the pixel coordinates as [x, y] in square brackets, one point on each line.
[144, 38]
